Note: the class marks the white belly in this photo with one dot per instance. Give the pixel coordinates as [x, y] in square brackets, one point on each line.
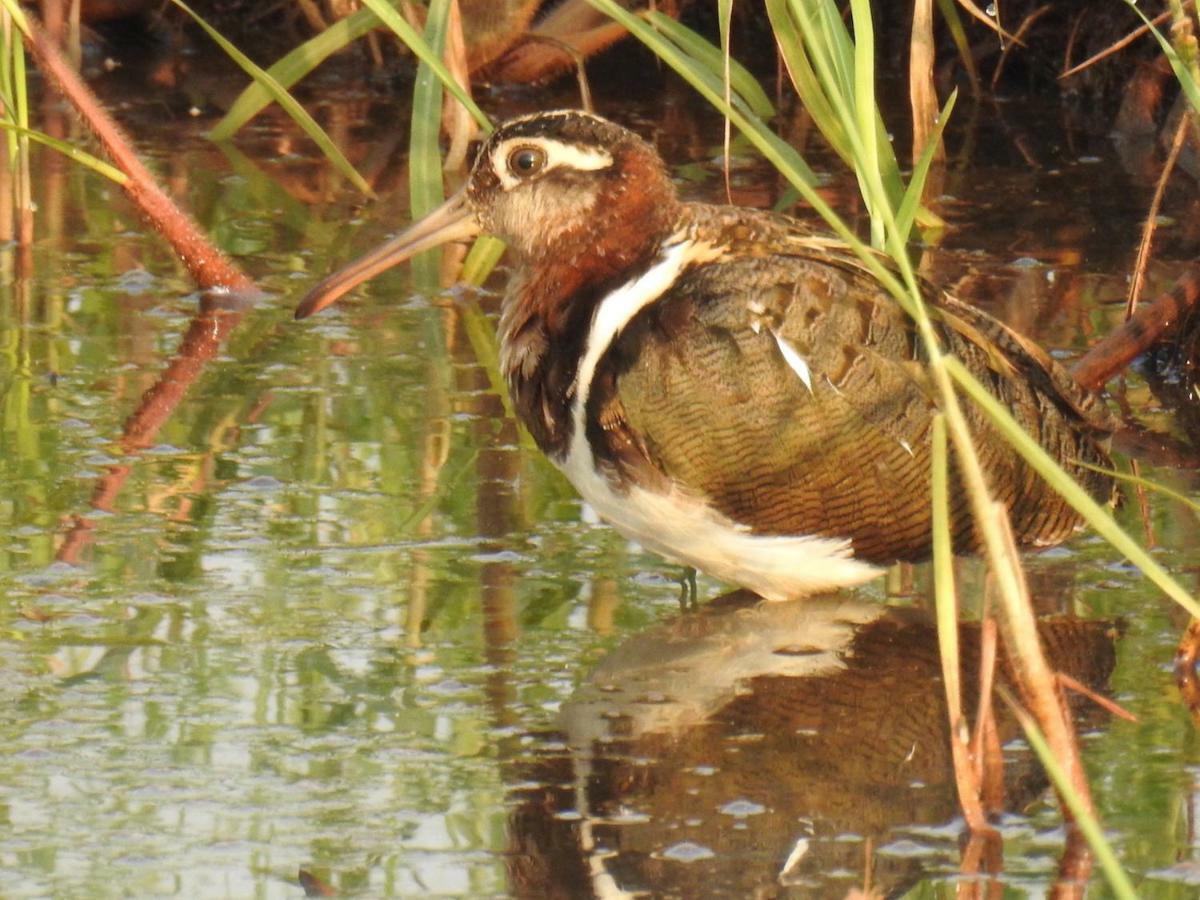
[689, 531]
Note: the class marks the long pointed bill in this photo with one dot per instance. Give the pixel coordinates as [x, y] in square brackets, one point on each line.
[452, 221]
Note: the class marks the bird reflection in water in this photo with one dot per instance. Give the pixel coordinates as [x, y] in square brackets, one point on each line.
[758, 749]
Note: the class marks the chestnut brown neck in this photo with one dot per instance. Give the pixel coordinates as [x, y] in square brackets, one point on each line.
[635, 211]
[549, 307]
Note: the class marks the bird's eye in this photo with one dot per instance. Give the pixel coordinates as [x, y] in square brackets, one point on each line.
[526, 161]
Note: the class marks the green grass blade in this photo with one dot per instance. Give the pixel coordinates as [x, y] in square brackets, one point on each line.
[805, 80]
[292, 67]
[1086, 822]
[841, 89]
[744, 84]
[783, 156]
[829, 43]
[822, 47]
[13, 8]
[70, 151]
[1097, 516]
[13, 45]
[1150, 484]
[1186, 82]
[20, 87]
[724, 19]
[822, 51]
[958, 34]
[910, 205]
[481, 259]
[482, 337]
[6, 89]
[289, 103]
[865, 107]
[424, 152]
[943, 559]
[426, 189]
[864, 79]
[426, 54]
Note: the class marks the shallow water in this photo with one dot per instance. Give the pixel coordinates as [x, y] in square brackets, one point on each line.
[335, 613]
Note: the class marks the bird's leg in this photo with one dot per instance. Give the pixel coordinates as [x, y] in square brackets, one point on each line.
[688, 592]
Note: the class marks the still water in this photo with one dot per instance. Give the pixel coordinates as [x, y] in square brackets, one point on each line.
[283, 597]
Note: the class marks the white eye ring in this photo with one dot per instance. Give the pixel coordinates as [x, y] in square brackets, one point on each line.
[526, 161]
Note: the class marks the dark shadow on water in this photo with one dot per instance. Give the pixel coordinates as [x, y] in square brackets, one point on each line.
[750, 749]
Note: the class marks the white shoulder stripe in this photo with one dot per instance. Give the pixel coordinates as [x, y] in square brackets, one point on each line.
[617, 310]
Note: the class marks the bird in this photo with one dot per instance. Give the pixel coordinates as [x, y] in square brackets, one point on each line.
[733, 388]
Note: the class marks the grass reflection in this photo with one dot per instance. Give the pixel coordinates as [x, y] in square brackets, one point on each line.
[337, 600]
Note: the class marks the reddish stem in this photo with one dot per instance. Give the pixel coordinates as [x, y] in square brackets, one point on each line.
[209, 267]
[1141, 331]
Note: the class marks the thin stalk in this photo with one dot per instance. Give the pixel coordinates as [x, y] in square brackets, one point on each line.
[19, 112]
[1137, 282]
[966, 772]
[724, 14]
[922, 93]
[292, 67]
[70, 151]
[286, 101]
[1085, 820]
[961, 43]
[1184, 64]
[1140, 482]
[427, 55]
[207, 265]
[424, 153]
[1093, 513]
[866, 107]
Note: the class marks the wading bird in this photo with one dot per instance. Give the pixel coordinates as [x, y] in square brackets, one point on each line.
[727, 386]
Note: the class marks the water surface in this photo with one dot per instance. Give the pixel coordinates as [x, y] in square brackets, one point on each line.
[335, 613]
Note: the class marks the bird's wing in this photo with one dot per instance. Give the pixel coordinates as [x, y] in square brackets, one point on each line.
[788, 390]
